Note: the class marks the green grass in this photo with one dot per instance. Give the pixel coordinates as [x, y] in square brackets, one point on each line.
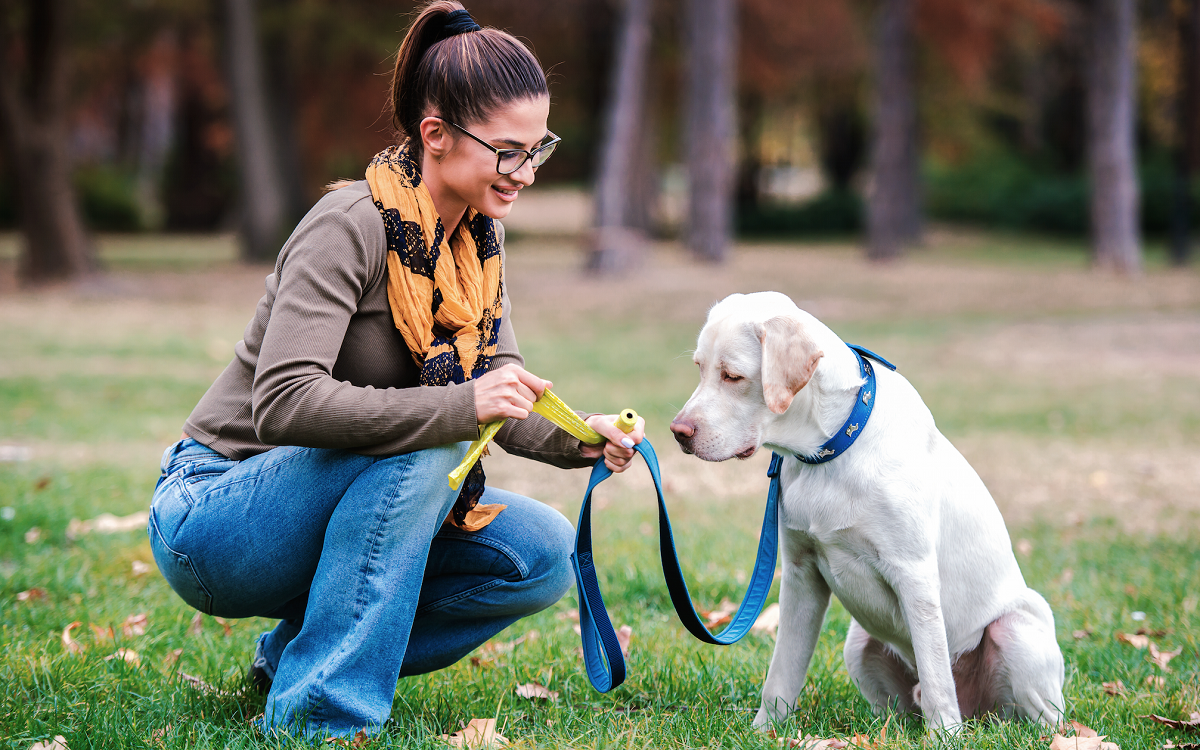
[123, 393]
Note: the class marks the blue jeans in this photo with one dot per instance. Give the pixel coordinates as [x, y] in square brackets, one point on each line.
[350, 554]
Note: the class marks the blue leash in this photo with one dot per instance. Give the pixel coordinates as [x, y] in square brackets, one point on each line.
[601, 651]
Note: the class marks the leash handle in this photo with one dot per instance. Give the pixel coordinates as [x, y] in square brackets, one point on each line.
[603, 659]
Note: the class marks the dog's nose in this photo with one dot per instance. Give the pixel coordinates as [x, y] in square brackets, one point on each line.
[682, 429]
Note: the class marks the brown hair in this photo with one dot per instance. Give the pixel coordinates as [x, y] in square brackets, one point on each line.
[462, 78]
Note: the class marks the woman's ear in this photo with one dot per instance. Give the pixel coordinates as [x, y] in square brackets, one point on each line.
[436, 139]
[789, 359]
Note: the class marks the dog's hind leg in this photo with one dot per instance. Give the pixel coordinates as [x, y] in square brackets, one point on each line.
[1032, 664]
[881, 676]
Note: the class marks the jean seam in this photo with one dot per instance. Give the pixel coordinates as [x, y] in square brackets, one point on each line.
[257, 476]
[163, 540]
[508, 551]
[455, 598]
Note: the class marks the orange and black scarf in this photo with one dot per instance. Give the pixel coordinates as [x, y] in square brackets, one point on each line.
[445, 292]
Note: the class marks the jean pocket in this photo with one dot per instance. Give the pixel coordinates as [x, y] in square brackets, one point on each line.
[177, 568]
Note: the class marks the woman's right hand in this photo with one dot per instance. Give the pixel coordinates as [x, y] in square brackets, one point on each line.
[507, 392]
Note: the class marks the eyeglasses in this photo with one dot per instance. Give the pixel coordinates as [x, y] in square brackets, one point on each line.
[509, 160]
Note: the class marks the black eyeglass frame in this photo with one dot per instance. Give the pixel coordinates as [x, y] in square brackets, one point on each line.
[501, 152]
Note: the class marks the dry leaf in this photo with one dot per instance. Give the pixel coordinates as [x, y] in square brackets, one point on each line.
[1156, 681]
[536, 691]
[1079, 635]
[1185, 746]
[170, 659]
[197, 624]
[1114, 688]
[624, 637]
[478, 733]
[1082, 743]
[58, 743]
[33, 536]
[360, 739]
[102, 634]
[570, 614]
[140, 568]
[1024, 547]
[1137, 641]
[134, 625]
[1163, 658]
[719, 616]
[1191, 724]
[221, 621]
[809, 742]
[127, 655]
[107, 523]
[69, 643]
[1083, 731]
[31, 595]
[201, 685]
[767, 622]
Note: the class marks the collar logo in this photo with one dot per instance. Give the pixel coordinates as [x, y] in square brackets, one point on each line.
[851, 430]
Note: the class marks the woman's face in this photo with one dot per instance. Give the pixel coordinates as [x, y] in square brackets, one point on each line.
[463, 172]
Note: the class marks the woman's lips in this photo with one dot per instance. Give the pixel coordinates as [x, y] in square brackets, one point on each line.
[506, 194]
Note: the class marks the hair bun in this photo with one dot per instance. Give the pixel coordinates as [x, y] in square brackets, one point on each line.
[458, 22]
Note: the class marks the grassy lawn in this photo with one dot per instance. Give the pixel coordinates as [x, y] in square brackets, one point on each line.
[1075, 395]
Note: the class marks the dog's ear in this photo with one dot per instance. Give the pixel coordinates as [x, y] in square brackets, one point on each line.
[789, 359]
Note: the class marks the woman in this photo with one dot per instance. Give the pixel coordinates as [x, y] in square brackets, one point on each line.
[310, 485]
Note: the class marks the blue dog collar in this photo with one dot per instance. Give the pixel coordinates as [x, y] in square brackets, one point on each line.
[864, 404]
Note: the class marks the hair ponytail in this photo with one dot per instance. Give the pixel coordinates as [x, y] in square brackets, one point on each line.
[458, 74]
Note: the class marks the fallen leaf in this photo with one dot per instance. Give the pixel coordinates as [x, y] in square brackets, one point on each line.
[171, 658]
[201, 685]
[809, 742]
[570, 614]
[140, 568]
[157, 735]
[1155, 681]
[1114, 688]
[197, 624]
[767, 622]
[222, 622]
[69, 643]
[1153, 633]
[1191, 724]
[41, 484]
[1163, 658]
[31, 595]
[1024, 547]
[107, 523]
[360, 739]
[134, 625]
[33, 536]
[624, 638]
[1185, 746]
[478, 733]
[536, 691]
[1083, 731]
[58, 743]
[1137, 641]
[721, 615]
[102, 634]
[1079, 635]
[126, 655]
[1082, 743]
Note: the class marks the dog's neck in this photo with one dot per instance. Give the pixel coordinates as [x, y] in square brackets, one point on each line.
[822, 406]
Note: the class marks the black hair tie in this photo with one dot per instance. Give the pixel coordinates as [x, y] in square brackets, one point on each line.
[458, 22]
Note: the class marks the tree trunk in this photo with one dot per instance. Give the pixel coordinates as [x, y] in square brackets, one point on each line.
[1112, 156]
[894, 213]
[1187, 146]
[262, 192]
[617, 241]
[33, 122]
[710, 126]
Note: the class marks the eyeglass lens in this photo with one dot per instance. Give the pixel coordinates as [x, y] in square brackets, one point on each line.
[511, 161]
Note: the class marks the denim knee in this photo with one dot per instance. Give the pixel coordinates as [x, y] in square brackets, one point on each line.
[552, 565]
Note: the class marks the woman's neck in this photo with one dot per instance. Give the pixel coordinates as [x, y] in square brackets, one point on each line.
[450, 208]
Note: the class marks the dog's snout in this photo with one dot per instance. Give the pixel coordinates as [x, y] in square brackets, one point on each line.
[683, 429]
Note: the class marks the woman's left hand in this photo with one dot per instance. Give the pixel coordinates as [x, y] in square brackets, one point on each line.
[618, 446]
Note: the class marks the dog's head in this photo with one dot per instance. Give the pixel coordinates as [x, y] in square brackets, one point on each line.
[756, 352]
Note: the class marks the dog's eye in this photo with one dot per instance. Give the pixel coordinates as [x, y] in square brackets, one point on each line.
[729, 377]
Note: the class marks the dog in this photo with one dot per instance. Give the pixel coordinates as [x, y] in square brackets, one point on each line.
[898, 526]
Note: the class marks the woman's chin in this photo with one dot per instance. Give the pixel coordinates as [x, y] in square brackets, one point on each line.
[494, 209]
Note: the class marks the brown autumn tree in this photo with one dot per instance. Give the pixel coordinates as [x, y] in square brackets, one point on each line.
[34, 109]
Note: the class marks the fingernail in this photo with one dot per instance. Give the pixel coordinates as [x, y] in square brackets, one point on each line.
[627, 442]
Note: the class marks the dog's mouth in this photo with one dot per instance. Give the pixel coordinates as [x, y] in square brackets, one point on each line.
[746, 453]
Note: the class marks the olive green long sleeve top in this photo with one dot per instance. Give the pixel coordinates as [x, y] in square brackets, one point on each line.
[322, 365]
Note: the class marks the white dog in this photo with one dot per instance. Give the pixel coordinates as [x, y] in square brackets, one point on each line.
[899, 527]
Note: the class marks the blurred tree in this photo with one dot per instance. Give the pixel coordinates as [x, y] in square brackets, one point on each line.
[893, 215]
[1187, 137]
[1112, 156]
[616, 243]
[263, 197]
[709, 128]
[34, 122]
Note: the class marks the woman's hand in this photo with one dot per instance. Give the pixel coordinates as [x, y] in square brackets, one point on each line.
[507, 392]
[618, 446]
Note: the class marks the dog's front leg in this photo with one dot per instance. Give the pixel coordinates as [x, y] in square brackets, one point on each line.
[803, 599]
[920, 601]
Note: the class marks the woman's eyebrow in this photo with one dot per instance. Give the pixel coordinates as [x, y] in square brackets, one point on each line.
[514, 143]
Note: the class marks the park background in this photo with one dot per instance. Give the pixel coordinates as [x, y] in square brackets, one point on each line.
[997, 195]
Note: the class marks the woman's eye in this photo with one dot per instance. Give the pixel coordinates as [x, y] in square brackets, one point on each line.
[731, 378]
